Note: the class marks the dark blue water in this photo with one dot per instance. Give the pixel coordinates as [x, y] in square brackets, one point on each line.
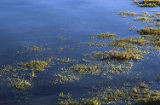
[41, 22]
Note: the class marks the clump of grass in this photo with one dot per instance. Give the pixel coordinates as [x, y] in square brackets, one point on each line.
[127, 13]
[135, 90]
[143, 85]
[95, 44]
[93, 101]
[35, 48]
[143, 19]
[149, 3]
[120, 96]
[149, 97]
[69, 102]
[65, 78]
[114, 95]
[21, 84]
[158, 24]
[85, 60]
[125, 42]
[150, 31]
[85, 69]
[64, 96]
[154, 41]
[35, 65]
[135, 95]
[158, 41]
[129, 54]
[103, 36]
[64, 60]
[84, 101]
[8, 68]
[117, 69]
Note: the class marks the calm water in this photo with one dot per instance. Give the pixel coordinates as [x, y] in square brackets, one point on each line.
[42, 22]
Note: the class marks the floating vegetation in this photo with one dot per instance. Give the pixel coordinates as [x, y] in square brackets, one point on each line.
[103, 36]
[8, 68]
[129, 54]
[143, 85]
[150, 35]
[150, 31]
[64, 96]
[136, 95]
[96, 44]
[158, 24]
[65, 60]
[117, 69]
[149, 19]
[65, 48]
[92, 101]
[65, 78]
[118, 96]
[69, 102]
[112, 63]
[35, 65]
[125, 42]
[21, 84]
[149, 97]
[149, 3]
[85, 68]
[143, 19]
[127, 13]
[85, 60]
[35, 49]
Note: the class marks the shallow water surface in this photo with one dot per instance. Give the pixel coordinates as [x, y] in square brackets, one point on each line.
[63, 25]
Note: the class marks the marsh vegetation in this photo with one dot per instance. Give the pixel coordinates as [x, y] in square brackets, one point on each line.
[99, 68]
